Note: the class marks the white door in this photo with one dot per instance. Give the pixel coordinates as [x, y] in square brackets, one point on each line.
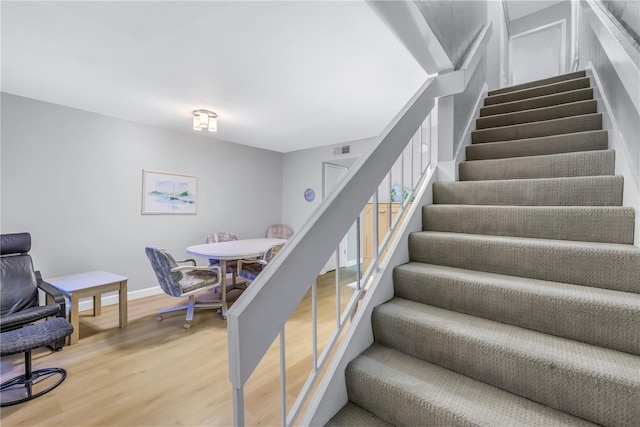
[538, 53]
[333, 174]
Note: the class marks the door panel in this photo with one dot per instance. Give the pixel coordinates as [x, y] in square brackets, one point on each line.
[333, 174]
[538, 54]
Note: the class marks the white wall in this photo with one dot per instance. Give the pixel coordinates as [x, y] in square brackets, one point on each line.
[73, 180]
[455, 23]
[620, 116]
[302, 169]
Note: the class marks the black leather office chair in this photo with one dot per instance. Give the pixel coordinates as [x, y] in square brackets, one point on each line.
[19, 310]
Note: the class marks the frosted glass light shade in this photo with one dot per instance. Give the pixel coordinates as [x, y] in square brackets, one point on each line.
[203, 119]
[213, 124]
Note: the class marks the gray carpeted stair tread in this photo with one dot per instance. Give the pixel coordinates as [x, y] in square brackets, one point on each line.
[521, 301]
[555, 144]
[540, 82]
[407, 391]
[583, 163]
[581, 123]
[577, 191]
[601, 317]
[601, 265]
[352, 415]
[538, 102]
[538, 114]
[596, 384]
[604, 224]
[534, 92]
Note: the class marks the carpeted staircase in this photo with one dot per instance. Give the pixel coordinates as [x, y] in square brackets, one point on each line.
[521, 303]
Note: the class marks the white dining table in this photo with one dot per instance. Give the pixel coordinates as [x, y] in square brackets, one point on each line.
[232, 250]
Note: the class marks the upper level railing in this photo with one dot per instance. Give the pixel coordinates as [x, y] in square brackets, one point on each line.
[260, 315]
[619, 46]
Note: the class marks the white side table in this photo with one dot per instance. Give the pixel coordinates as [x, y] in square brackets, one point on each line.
[91, 284]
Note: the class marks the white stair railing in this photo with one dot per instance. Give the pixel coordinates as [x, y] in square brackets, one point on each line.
[408, 173]
[260, 314]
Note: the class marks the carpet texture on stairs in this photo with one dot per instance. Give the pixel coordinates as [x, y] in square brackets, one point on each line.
[569, 143]
[520, 305]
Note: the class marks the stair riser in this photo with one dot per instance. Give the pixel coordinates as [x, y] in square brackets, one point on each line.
[549, 307]
[591, 163]
[534, 92]
[597, 224]
[538, 102]
[366, 391]
[558, 262]
[542, 82]
[596, 191]
[563, 126]
[583, 141]
[535, 378]
[354, 415]
[548, 113]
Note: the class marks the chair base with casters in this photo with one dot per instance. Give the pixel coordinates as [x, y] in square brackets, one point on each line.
[191, 306]
[25, 387]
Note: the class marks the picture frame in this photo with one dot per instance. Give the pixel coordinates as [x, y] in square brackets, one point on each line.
[167, 193]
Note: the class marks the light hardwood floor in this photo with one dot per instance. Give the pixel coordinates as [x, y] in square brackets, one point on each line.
[159, 374]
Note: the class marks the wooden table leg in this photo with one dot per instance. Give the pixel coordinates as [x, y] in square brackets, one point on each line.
[97, 305]
[75, 321]
[123, 304]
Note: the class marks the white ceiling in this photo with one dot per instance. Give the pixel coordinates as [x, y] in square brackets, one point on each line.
[281, 75]
[519, 8]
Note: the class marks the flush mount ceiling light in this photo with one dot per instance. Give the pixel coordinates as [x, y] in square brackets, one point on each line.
[205, 119]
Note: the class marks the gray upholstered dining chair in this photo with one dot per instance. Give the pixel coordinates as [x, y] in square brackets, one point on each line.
[223, 236]
[279, 231]
[184, 281]
[249, 269]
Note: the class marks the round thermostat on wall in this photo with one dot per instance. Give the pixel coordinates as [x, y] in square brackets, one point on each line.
[309, 194]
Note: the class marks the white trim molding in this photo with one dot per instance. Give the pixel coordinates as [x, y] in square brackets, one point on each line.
[624, 167]
[406, 21]
[620, 49]
[111, 298]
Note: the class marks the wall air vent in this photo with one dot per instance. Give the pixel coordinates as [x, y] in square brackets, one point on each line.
[345, 149]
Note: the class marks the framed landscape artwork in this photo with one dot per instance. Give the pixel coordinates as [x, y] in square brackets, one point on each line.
[168, 193]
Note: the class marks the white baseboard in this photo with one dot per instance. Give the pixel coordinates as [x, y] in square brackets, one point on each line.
[112, 297]
[351, 262]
